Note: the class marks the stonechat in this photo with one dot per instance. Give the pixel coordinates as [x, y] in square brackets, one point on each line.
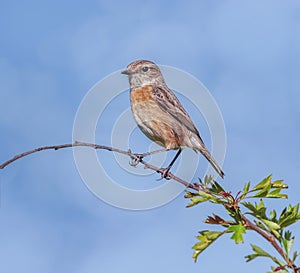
[160, 115]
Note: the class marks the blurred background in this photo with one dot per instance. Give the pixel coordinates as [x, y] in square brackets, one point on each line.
[52, 52]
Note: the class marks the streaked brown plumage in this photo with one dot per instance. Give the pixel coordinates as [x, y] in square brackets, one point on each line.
[159, 114]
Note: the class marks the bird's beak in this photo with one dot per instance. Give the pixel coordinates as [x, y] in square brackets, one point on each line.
[126, 72]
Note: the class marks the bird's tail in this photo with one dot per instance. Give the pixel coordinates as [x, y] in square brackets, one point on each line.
[200, 146]
[211, 160]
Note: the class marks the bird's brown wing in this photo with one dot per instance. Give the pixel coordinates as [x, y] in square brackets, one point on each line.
[170, 104]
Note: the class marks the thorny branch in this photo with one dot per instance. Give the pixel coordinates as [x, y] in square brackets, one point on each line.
[136, 158]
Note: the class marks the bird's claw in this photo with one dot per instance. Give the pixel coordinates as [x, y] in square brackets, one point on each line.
[164, 174]
[135, 159]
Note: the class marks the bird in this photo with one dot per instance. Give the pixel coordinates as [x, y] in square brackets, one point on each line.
[160, 115]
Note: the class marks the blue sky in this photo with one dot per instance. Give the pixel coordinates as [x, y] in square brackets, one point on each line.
[52, 52]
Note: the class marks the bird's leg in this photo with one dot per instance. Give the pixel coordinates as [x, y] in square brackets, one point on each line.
[165, 171]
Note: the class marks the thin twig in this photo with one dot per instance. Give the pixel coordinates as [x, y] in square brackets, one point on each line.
[137, 158]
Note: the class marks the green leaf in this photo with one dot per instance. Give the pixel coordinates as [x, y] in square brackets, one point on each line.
[273, 215]
[295, 255]
[249, 206]
[195, 201]
[246, 188]
[261, 225]
[259, 252]
[277, 234]
[289, 216]
[287, 242]
[216, 188]
[263, 189]
[276, 194]
[206, 238]
[258, 209]
[288, 235]
[263, 192]
[264, 183]
[271, 225]
[189, 194]
[279, 184]
[260, 206]
[208, 197]
[238, 231]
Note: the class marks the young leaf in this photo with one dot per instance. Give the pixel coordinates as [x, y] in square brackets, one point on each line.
[206, 238]
[195, 201]
[263, 189]
[238, 231]
[246, 188]
[287, 242]
[279, 184]
[208, 197]
[264, 183]
[261, 206]
[295, 255]
[273, 215]
[276, 194]
[216, 187]
[249, 206]
[258, 210]
[259, 252]
[263, 192]
[261, 225]
[271, 225]
[289, 216]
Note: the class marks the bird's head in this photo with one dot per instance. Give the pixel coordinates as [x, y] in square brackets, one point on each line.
[142, 72]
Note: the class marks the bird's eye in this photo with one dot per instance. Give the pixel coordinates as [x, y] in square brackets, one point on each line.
[145, 68]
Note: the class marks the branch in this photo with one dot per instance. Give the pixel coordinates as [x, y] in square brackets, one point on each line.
[271, 239]
[136, 158]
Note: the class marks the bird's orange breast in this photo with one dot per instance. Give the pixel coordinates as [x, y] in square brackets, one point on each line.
[152, 120]
[142, 94]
